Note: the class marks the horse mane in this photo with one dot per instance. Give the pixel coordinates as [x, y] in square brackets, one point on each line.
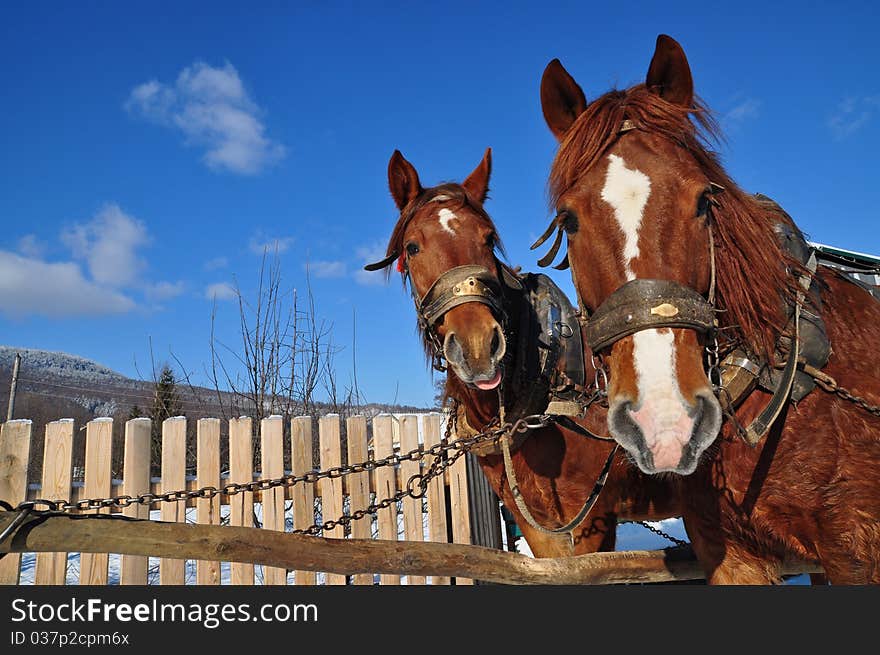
[455, 192]
[751, 275]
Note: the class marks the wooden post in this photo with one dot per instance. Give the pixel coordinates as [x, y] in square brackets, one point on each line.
[10, 410]
[303, 494]
[99, 441]
[136, 481]
[208, 475]
[15, 455]
[459, 507]
[51, 568]
[413, 525]
[331, 489]
[173, 571]
[359, 485]
[437, 525]
[241, 505]
[272, 453]
[385, 485]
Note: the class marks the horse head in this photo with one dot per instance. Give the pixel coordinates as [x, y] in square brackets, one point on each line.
[633, 189]
[444, 243]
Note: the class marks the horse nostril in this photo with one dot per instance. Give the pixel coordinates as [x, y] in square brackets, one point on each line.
[498, 346]
[452, 348]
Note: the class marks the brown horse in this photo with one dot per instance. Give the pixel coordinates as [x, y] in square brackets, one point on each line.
[657, 233]
[445, 227]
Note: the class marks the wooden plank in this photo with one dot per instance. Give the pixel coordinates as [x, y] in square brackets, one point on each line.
[330, 451]
[15, 455]
[136, 481]
[303, 494]
[437, 526]
[272, 466]
[208, 475]
[459, 510]
[358, 485]
[351, 555]
[241, 505]
[93, 568]
[413, 525]
[173, 571]
[385, 484]
[51, 568]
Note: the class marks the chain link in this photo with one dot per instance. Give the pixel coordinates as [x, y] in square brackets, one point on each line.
[659, 532]
[830, 385]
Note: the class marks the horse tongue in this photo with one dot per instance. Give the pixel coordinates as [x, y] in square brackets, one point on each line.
[488, 385]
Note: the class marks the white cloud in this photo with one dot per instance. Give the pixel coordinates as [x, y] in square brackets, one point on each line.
[30, 246]
[746, 109]
[217, 262]
[368, 254]
[852, 115]
[108, 244]
[220, 291]
[29, 286]
[212, 109]
[326, 268]
[261, 244]
[165, 290]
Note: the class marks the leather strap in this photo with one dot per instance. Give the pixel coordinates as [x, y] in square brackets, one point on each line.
[642, 304]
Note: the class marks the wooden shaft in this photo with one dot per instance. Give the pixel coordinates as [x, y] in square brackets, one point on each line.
[46, 533]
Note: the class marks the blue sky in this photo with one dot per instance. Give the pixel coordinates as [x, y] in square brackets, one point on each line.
[149, 150]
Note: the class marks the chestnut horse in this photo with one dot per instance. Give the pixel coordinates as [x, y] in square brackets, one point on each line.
[445, 227]
[653, 221]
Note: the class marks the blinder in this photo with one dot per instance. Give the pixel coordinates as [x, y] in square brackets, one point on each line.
[644, 304]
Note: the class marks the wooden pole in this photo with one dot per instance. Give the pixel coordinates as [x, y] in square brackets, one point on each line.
[11, 409]
[48, 533]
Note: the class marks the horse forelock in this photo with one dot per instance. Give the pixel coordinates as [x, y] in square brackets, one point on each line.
[750, 264]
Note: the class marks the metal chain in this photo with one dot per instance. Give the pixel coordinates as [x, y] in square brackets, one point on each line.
[416, 486]
[657, 531]
[830, 385]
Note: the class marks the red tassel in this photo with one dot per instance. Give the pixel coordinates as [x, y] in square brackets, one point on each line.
[401, 264]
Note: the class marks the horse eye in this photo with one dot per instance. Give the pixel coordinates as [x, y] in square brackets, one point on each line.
[703, 204]
[568, 221]
[412, 248]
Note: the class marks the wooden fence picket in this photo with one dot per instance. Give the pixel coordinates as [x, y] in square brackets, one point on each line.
[303, 494]
[458, 496]
[136, 481]
[93, 567]
[385, 485]
[241, 505]
[15, 455]
[51, 568]
[272, 466]
[331, 488]
[173, 571]
[437, 526]
[358, 485]
[208, 475]
[413, 525]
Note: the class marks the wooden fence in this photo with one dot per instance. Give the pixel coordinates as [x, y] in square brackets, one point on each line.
[443, 516]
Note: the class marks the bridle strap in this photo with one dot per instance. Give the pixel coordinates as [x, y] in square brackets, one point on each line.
[643, 304]
[457, 286]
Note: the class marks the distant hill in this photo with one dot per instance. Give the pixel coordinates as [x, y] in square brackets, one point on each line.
[63, 385]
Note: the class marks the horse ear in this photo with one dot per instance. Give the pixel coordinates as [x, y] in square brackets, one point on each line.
[562, 100]
[403, 180]
[477, 183]
[669, 75]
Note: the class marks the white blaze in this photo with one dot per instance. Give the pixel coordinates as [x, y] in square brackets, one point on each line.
[627, 191]
[445, 217]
